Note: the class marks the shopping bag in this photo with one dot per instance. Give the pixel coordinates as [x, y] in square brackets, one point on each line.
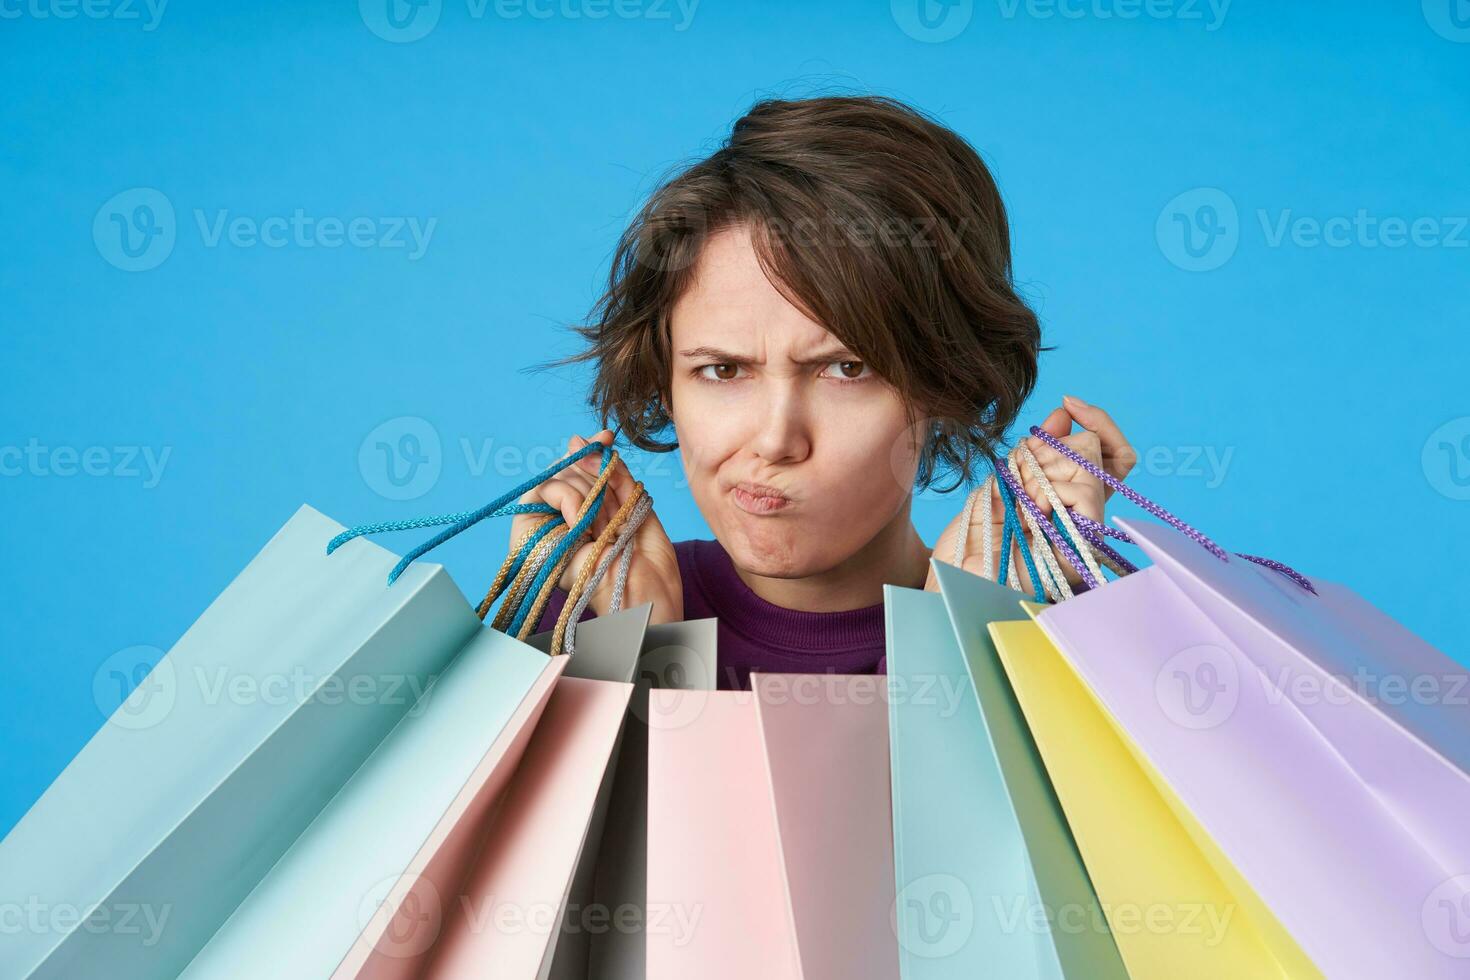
[680, 656]
[1240, 682]
[306, 914]
[1172, 913]
[179, 805]
[824, 738]
[769, 843]
[717, 906]
[1361, 884]
[510, 905]
[595, 659]
[988, 878]
[1394, 708]
[394, 835]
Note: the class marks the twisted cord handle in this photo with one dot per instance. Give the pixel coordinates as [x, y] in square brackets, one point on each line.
[464, 520]
[1193, 534]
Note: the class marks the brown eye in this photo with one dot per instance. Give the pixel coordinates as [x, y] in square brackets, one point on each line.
[851, 370]
[723, 372]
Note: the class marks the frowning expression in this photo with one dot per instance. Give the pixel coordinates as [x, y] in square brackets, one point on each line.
[796, 451]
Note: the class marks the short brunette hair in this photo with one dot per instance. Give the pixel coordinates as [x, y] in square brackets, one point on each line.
[876, 221]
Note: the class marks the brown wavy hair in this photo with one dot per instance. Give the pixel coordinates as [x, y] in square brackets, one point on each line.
[876, 221]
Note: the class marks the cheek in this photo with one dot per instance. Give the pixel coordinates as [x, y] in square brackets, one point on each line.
[708, 435]
[871, 460]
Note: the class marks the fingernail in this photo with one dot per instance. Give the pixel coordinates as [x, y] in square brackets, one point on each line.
[1076, 401]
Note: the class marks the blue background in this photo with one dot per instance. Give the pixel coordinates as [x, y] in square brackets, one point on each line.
[1326, 382]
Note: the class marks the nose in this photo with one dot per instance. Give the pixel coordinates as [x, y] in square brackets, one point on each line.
[783, 430]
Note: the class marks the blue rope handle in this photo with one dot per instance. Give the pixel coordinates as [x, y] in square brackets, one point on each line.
[500, 507]
[568, 541]
[1012, 528]
[524, 553]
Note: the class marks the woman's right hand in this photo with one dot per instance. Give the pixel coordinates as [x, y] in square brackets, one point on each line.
[653, 574]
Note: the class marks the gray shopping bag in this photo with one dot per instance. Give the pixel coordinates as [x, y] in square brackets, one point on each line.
[675, 655]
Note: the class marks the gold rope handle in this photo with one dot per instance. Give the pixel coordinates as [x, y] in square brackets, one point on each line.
[501, 576]
[538, 606]
[604, 540]
[537, 558]
[516, 594]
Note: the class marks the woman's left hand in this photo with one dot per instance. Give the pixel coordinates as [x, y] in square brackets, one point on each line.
[1099, 440]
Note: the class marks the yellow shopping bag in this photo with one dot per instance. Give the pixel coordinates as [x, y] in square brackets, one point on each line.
[1175, 905]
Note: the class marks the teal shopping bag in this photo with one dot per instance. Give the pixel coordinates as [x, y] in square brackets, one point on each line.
[989, 880]
[407, 818]
[199, 782]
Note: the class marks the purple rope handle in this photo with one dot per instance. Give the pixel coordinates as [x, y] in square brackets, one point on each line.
[1093, 528]
[1097, 535]
[1058, 541]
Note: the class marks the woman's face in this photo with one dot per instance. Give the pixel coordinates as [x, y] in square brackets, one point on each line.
[765, 399]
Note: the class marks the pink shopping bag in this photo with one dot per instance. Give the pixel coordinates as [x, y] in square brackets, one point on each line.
[770, 835]
[500, 916]
[825, 741]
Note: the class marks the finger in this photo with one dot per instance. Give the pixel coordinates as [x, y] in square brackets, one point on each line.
[1058, 423]
[565, 496]
[651, 533]
[620, 474]
[592, 462]
[1082, 498]
[1118, 457]
[1086, 444]
[589, 468]
[578, 488]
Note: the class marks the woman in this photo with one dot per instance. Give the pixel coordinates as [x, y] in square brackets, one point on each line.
[820, 317]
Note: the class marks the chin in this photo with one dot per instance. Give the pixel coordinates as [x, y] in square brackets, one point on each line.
[785, 550]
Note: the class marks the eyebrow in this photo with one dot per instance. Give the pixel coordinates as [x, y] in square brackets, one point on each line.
[729, 357]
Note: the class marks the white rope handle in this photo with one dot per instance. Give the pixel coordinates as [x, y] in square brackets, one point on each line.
[622, 547]
[1084, 548]
[625, 542]
[1089, 552]
[982, 495]
[1053, 581]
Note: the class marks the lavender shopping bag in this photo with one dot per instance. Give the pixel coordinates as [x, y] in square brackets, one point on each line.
[1396, 709]
[1350, 859]
[1319, 744]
